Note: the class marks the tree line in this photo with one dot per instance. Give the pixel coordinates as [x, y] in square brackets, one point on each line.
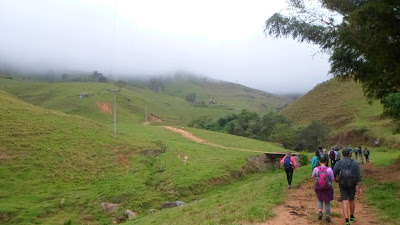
[273, 127]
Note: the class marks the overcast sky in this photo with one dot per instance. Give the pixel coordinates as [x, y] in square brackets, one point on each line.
[221, 39]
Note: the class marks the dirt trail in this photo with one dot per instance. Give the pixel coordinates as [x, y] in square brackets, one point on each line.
[199, 140]
[300, 207]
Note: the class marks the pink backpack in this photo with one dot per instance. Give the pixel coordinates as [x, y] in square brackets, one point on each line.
[322, 182]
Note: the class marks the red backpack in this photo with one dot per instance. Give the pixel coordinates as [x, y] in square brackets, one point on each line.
[322, 182]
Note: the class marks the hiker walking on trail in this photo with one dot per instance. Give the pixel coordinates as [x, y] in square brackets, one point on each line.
[323, 187]
[350, 149]
[366, 154]
[360, 153]
[332, 157]
[289, 162]
[356, 153]
[347, 172]
[315, 160]
[326, 154]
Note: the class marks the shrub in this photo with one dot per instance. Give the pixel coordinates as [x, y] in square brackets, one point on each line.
[304, 160]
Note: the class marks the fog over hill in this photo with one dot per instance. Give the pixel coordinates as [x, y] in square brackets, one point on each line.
[157, 37]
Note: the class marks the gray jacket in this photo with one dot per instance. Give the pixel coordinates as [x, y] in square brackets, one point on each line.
[355, 167]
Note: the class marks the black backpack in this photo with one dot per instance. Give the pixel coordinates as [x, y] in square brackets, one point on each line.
[347, 177]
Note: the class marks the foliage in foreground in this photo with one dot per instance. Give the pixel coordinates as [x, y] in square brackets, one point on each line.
[364, 44]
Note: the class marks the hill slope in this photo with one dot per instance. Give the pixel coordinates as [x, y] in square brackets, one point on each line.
[345, 109]
[136, 100]
[47, 156]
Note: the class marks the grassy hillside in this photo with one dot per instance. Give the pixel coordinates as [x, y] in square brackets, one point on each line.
[47, 156]
[169, 104]
[235, 96]
[345, 109]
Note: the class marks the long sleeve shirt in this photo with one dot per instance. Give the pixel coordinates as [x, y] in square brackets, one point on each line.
[293, 161]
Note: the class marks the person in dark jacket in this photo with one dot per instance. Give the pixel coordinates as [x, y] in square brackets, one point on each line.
[348, 173]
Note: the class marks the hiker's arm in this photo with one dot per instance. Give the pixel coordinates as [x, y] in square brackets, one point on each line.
[313, 164]
[283, 159]
[360, 189]
[314, 173]
[294, 162]
[336, 171]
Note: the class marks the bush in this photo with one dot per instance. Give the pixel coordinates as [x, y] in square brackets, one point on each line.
[304, 160]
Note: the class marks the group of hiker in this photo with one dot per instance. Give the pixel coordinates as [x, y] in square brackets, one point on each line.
[344, 170]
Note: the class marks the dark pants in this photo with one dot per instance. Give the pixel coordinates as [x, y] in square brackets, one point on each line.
[289, 175]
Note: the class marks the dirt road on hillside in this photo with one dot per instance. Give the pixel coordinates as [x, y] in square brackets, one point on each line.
[199, 140]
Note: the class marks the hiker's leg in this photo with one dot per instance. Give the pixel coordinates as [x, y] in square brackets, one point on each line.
[288, 176]
[345, 206]
[352, 207]
[352, 194]
[320, 205]
[345, 201]
[328, 208]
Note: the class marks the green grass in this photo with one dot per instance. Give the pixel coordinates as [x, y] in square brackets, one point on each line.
[345, 109]
[169, 104]
[235, 141]
[251, 201]
[384, 196]
[48, 155]
[383, 156]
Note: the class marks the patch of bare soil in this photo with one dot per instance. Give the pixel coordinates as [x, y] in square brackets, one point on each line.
[104, 107]
[387, 174]
[4, 156]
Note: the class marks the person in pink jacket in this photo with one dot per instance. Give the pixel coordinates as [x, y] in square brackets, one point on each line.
[289, 163]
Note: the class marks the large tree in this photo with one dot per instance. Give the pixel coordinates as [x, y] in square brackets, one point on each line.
[362, 38]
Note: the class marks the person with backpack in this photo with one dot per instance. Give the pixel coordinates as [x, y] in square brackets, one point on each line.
[366, 154]
[348, 173]
[315, 160]
[337, 155]
[332, 156]
[360, 153]
[350, 149]
[356, 153]
[289, 162]
[323, 187]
